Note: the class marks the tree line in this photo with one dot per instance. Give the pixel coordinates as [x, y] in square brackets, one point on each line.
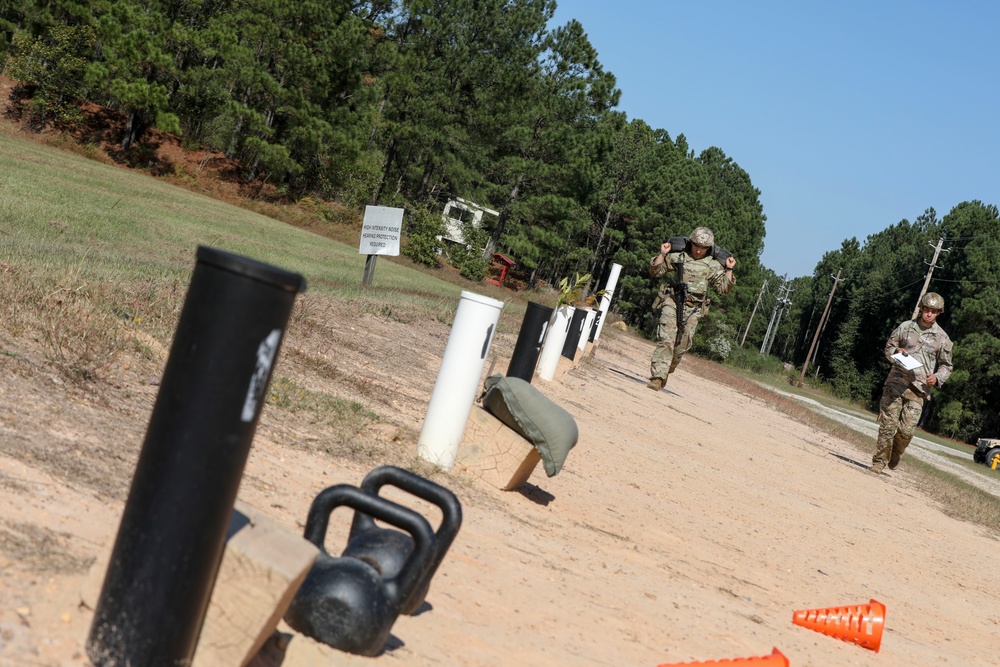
[881, 282]
[401, 103]
[412, 102]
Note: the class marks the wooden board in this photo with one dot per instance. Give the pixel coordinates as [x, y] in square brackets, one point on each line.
[262, 568]
[495, 454]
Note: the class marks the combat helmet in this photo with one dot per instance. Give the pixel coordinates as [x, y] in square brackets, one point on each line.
[702, 236]
[932, 300]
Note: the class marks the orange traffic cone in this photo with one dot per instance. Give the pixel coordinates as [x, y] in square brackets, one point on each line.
[773, 660]
[860, 624]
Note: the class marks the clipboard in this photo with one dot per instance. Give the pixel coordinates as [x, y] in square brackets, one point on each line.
[906, 361]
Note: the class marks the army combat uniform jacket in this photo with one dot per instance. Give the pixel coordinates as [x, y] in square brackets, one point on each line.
[699, 274]
[930, 346]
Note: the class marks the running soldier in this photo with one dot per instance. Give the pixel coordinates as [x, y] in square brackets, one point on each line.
[683, 298]
[925, 342]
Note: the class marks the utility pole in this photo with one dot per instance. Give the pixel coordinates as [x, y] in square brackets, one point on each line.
[927, 280]
[770, 323]
[754, 312]
[809, 331]
[815, 355]
[785, 305]
[779, 302]
[819, 328]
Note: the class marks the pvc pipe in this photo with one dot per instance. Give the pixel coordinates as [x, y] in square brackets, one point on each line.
[609, 292]
[554, 341]
[586, 331]
[575, 332]
[172, 532]
[458, 379]
[529, 341]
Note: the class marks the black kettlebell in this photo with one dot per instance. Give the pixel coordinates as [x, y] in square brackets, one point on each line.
[387, 549]
[345, 602]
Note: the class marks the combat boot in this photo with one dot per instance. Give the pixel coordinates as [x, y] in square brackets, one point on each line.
[893, 461]
[876, 468]
[656, 384]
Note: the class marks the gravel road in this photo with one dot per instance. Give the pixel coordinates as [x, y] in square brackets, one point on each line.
[940, 456]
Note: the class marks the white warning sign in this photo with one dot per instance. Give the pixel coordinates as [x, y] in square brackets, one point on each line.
[381, 230]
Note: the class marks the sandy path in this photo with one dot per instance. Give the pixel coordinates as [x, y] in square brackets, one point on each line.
[686, 525]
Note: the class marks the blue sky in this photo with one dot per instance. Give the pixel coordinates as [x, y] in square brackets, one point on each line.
[848, 116]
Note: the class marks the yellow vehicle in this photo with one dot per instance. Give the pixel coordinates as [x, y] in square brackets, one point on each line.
[988, 452]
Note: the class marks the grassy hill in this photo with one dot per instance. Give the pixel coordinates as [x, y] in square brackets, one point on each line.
[88, 246]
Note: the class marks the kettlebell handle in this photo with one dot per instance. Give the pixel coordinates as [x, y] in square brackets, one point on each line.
[345, 495]
[445, 500]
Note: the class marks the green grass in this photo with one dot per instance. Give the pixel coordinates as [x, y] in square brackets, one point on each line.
[61, 210]
[348, 418]
[957, 498]
[86, 246]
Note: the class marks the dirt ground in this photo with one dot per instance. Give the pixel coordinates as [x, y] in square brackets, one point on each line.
[686, 525]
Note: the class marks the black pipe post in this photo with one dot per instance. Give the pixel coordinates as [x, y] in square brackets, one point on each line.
[171, 537]
[529, 341]
[575, 331]
[594, 327]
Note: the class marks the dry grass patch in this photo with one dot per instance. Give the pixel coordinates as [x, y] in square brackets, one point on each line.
[84, 325]
[958, 499]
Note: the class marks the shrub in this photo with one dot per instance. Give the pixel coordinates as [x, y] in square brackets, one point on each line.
[359, 179]
[423, 228]
[50, 70]
[468, 258]
[755, 362]
[470, 262]
[714, 338]
[720, 347]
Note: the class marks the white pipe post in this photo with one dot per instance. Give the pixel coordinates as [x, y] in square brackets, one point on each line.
[609, 291]
[588, 324]
[554, 342]
[458, 379]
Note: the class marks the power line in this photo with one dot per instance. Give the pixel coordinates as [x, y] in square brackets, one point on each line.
[900, 289]
[841, 299]
[973, 238]
[971, 282]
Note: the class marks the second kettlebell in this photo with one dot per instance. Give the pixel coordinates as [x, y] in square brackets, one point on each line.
[387, 549]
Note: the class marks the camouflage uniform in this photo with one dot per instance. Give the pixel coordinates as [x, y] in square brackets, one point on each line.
[904, 391]
[699, 274]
